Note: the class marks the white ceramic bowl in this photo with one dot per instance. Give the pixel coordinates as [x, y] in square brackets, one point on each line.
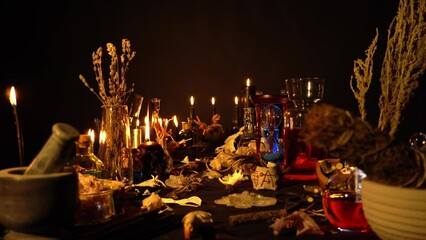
[394, 212]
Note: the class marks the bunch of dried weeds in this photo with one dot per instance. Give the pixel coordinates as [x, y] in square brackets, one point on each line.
[403, 64]
[114, 91]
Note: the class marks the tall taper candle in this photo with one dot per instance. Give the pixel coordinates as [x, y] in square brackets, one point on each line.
[13, 102]
[247, 91]
[191, 109]
[214, 105]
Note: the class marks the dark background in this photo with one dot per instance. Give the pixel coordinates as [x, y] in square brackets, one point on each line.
[183, 48]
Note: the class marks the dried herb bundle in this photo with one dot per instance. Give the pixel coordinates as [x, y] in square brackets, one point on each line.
[382, 157]
[115, 90]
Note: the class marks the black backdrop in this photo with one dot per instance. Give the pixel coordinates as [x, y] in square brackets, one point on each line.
[183, 48]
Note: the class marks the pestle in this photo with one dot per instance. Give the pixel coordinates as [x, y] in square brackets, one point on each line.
[55, 153]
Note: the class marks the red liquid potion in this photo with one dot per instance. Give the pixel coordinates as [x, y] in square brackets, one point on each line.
[341, 200]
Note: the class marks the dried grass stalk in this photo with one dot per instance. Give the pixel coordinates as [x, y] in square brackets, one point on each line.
[114, 91]
[403, 64]
[363, 73]
[383, 158]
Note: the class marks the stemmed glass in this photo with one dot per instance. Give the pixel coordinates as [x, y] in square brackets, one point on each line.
[299, 158]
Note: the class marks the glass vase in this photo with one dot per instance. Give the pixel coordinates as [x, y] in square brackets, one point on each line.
[115, 143]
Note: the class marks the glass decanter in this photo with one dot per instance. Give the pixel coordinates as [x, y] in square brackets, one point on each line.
[341, 200]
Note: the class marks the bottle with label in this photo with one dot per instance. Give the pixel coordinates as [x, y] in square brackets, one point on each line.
[84, 160]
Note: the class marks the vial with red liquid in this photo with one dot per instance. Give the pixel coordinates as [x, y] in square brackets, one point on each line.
[341, 200]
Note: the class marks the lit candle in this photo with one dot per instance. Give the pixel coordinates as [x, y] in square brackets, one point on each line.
[136, 137]
[147, 126]
[191, 110]
[13, 102]
[91, 133]
[175, 121]
[147, 133]
[246, 92]
[176, 128]
[236, 120]
[214, 105]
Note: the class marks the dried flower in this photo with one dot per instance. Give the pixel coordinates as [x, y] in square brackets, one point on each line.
[114, 91]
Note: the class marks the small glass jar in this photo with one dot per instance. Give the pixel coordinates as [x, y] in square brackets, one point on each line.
[341, 200]
[84, 160]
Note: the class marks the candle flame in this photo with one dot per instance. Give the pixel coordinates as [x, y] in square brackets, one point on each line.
[192, 100]
[248, 82]
[213, 100]
[236, 100]
[91, 133]
[175, 121]
[12, 96]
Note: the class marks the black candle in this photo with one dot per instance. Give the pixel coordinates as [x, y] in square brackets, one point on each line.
[214, 105]
[191, 110]
[246, 92]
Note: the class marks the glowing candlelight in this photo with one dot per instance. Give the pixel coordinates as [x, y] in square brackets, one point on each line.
[175, 121]
[147, 128]
[12, 96]
[235, 119]
[13, 102]
[91, 133]
[246, 92]
[191, 110]
[214, 105]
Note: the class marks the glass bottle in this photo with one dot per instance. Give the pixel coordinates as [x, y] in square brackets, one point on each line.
[342, 202]
[84, 160]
